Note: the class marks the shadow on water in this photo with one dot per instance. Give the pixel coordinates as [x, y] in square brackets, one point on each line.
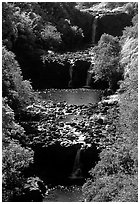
[64, 194]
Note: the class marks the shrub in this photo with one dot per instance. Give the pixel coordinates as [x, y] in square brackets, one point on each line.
[71, 35]
[51, 37]
[34, 189]
[131, 8]
[132, 31]
[15, 160]
[10, 128]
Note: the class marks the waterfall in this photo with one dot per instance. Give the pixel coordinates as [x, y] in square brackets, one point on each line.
[94, 26]
[88, 80]
[77, 171]
[70, 74]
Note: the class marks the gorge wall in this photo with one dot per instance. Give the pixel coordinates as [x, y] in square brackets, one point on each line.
[111, 23]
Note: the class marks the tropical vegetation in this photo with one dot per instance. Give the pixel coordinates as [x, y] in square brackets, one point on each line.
[35, 33]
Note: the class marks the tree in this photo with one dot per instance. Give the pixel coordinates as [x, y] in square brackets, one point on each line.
[106, 63]
[18, 91]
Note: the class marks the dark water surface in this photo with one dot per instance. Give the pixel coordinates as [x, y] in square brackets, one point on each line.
[72, 96]
[64, 194]
[83, 96]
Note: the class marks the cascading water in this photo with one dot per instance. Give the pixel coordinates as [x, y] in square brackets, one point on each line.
[77, 170]
[71, 73]
[89, 77]
[94, 26]
[88, 80]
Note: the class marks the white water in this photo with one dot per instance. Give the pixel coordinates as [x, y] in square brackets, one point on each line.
[77, 171]
[94, 26]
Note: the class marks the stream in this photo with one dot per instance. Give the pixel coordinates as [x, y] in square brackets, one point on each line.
[73, 191]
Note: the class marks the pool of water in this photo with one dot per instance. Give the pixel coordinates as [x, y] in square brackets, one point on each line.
[72, 96]
[64, 194]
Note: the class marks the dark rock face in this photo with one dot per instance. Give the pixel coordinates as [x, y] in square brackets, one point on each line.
[112, 24]
[55, 75]
[84, 21]
[80, 74]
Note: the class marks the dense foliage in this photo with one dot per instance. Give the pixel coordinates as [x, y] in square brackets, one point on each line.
[15, 157]
[115, 177]
[41, 25]
[17, 94]
[35, 33]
